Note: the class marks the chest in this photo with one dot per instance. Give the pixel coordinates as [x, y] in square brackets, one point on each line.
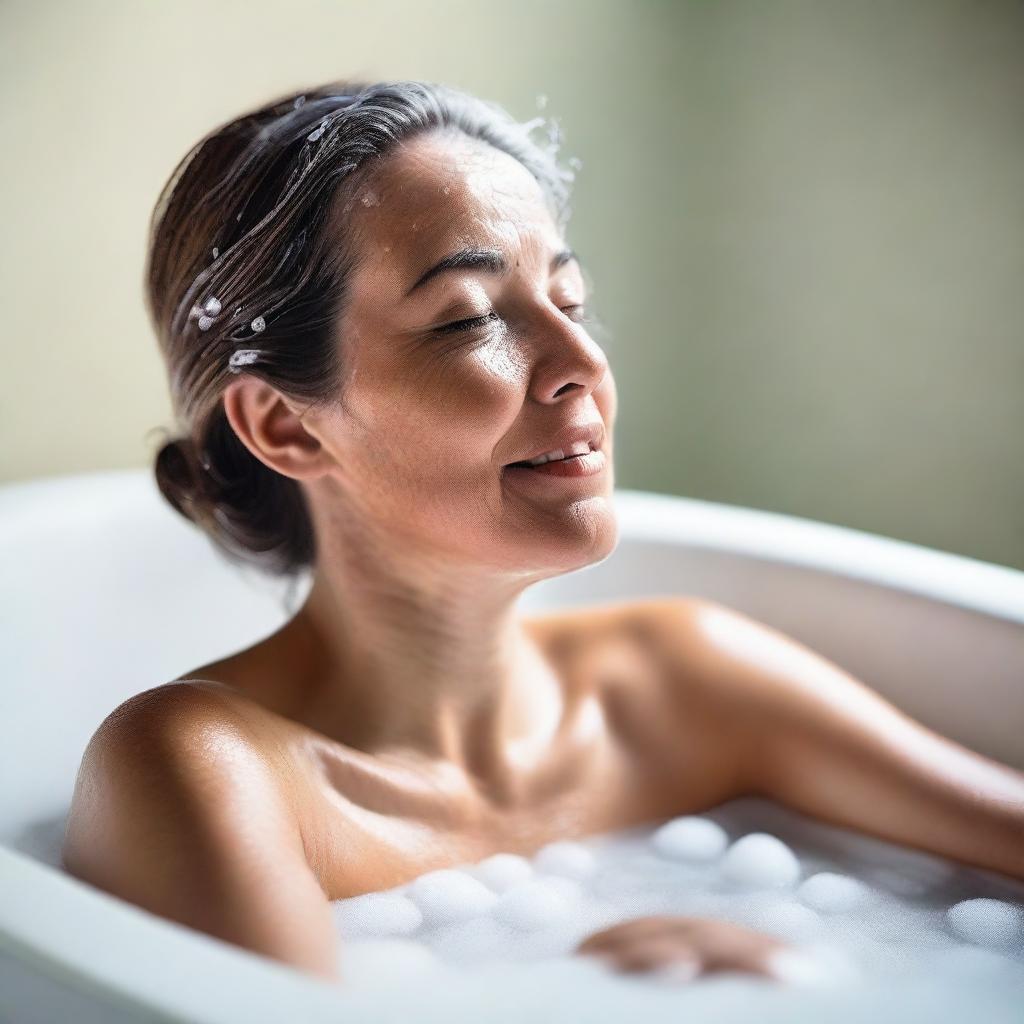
[633, 755]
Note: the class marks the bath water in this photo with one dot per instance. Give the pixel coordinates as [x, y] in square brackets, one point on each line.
[871, 921]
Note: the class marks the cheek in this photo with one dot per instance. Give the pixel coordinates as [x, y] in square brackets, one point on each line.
[503, 364]
[445, 420]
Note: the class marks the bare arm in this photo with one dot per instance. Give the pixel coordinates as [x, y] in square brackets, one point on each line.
[824, 743]
[176, 811]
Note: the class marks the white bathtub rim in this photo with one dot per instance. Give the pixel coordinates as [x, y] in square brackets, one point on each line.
[785, 539]
[65, 929]
[949, 578]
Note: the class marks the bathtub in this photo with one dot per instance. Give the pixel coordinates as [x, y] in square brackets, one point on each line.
[108, 592]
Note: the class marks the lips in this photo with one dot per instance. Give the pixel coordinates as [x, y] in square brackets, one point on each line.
[576, 451]
[569, 440]
[589, 465]
[564, 458]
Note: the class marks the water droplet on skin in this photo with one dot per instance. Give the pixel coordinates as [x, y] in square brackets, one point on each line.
[259, 324]
[446, 189]
[216, 252]
[238, 216]
[212, 306]
[205, 323]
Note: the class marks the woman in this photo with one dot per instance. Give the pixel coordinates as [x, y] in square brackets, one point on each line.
[374, 328]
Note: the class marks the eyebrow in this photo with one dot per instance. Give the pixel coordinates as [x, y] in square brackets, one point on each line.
[482, 259]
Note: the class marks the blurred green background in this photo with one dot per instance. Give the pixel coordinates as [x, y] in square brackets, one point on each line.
[804, 222]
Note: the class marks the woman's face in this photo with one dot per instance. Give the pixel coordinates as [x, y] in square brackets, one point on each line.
[432, 415]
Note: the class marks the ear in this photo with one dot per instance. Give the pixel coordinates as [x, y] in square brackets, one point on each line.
[269, 424]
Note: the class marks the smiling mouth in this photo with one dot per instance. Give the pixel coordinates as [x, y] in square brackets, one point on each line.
[567, 458]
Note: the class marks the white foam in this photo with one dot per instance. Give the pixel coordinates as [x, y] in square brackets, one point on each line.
[832, 893]
[774, 913]
[502, 870]
[690, 838]
[512, 921]
[363, 964]
[759, 859]
[377, 914]
[470, 942]
[573, 860]
[531, 905]
[449, 895]
[568, 888]
[988, 922]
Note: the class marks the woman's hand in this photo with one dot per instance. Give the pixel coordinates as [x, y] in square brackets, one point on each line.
[685, 947]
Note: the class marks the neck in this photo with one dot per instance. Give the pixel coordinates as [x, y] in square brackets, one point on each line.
[421, 657]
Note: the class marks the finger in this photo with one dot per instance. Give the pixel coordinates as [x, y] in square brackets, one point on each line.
[657, 955]
[629, 931]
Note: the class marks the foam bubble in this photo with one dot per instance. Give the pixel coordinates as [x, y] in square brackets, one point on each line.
[449, 895]
[833, 893]
[502, 870]
[377, 914]
[531, 905]
[760, 859]
[506, 911]
[690, 838]
[573, 860]
[988, 922]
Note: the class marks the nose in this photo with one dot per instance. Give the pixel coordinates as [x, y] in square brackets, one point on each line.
[568, 361]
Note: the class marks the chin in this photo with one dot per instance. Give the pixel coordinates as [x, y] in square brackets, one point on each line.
[595, 540]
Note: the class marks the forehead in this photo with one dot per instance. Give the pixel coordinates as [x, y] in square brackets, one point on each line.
[439, 192]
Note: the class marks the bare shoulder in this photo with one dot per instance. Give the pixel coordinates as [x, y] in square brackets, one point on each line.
[182, 723]
[657, 651]
[701, 646]
[706, 641]
[736, 662]
[184, 752]
[665, 630]
[182, 807]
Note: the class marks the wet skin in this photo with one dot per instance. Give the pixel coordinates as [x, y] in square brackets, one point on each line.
[409, 717]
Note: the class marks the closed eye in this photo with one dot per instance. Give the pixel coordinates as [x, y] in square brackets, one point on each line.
[466, 325]
[576, 312]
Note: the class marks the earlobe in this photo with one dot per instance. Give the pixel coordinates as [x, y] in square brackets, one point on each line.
[271, 427]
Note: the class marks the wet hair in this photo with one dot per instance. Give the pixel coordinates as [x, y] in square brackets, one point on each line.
[248, 268]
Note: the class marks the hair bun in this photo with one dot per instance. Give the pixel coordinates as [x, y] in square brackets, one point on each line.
[177, 472]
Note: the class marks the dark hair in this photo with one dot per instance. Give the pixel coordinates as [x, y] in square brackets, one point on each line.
[240, 257]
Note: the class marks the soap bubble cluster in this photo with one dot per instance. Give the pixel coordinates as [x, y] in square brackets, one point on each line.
[811, 886]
